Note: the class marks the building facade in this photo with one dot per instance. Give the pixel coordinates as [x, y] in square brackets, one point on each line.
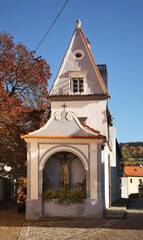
[132, 177]
[81, 129]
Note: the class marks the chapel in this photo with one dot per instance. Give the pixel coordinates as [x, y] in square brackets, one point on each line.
[77, 148]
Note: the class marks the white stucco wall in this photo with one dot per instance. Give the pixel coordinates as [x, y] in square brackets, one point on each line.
[40, 150]
[92, 80]
[112, 142]
[94, 110]
[124, 187]
[128, 187]
[105, 176]
[133, 187]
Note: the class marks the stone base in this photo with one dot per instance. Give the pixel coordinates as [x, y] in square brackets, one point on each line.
[33, 209]
[63, 210]
[94, 208]
[90, 208]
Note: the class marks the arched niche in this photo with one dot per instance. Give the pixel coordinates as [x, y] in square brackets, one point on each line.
[63, 148]
[55, 168]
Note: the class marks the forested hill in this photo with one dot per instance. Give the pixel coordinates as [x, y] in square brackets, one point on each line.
[132, 153]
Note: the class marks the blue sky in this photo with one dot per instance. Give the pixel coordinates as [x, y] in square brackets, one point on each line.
[115, 30]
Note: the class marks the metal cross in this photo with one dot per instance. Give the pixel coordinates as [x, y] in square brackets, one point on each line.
[64, 106]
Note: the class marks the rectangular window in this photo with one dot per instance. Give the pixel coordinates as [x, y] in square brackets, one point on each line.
[77, 85]
[131, 180]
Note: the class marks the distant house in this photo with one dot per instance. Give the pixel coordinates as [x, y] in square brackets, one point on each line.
[132, 175]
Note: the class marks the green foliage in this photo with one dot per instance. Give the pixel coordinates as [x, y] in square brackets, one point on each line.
[65, 196]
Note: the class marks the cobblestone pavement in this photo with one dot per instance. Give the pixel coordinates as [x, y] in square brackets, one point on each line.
[62, 229]
[10, 221]
[117, 210]
[104, 229]
[135, 209]
[13, 226]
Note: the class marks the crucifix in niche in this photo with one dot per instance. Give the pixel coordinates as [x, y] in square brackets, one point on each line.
[65, 175]
[65, 158]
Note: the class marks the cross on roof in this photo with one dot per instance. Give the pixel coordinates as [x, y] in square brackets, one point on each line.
[64, 106]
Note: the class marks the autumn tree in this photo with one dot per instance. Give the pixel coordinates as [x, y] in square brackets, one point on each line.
[139, 149]
[23, 97]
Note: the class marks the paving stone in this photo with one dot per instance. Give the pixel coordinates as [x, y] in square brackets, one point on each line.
[14, 227]
[117, 210]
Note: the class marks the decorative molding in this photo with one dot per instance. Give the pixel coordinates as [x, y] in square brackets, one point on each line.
[61, 148]
[58, 116]
[81, 73]
[93, 151]
[33, 150]
[69, 116]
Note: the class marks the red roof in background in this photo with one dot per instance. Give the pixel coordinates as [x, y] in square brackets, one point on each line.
[133, 171]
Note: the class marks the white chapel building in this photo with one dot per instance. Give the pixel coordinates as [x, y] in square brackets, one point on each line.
[80, 128]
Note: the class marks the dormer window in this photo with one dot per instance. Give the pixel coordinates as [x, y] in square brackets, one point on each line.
[77, 85]
[77, 81]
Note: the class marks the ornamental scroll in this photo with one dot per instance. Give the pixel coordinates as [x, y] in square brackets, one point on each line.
[58, 116]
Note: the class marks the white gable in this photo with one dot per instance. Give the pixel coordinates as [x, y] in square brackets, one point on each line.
[65, 124]
[78, 63]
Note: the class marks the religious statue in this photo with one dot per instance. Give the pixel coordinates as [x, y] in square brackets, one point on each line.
[65, 172]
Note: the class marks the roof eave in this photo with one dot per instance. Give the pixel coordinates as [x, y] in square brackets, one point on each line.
[63, 137]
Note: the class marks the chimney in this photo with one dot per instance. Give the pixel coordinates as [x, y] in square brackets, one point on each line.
[89, 44]
[103, 71]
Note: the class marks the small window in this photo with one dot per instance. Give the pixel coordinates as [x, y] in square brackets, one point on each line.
[78, 54]
[131, 180]
[77, 85]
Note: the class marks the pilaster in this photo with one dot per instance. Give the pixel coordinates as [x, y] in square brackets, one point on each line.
[93, 170]
[33, 151]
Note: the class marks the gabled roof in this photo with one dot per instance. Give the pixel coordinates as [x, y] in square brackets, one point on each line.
[95, 65]
[94, 80]
[65, 125]
[133, 171]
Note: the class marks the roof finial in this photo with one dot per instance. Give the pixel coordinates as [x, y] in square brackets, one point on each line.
[78, 24]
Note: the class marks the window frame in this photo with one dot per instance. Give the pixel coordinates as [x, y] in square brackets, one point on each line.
[77, 87]
[79, 76]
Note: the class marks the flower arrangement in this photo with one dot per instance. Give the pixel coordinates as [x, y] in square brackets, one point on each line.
[65, 196]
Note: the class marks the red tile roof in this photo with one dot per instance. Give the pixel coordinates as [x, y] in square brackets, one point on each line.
[77, 94]
[133, 171]
[86, 126]
[94, 63]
